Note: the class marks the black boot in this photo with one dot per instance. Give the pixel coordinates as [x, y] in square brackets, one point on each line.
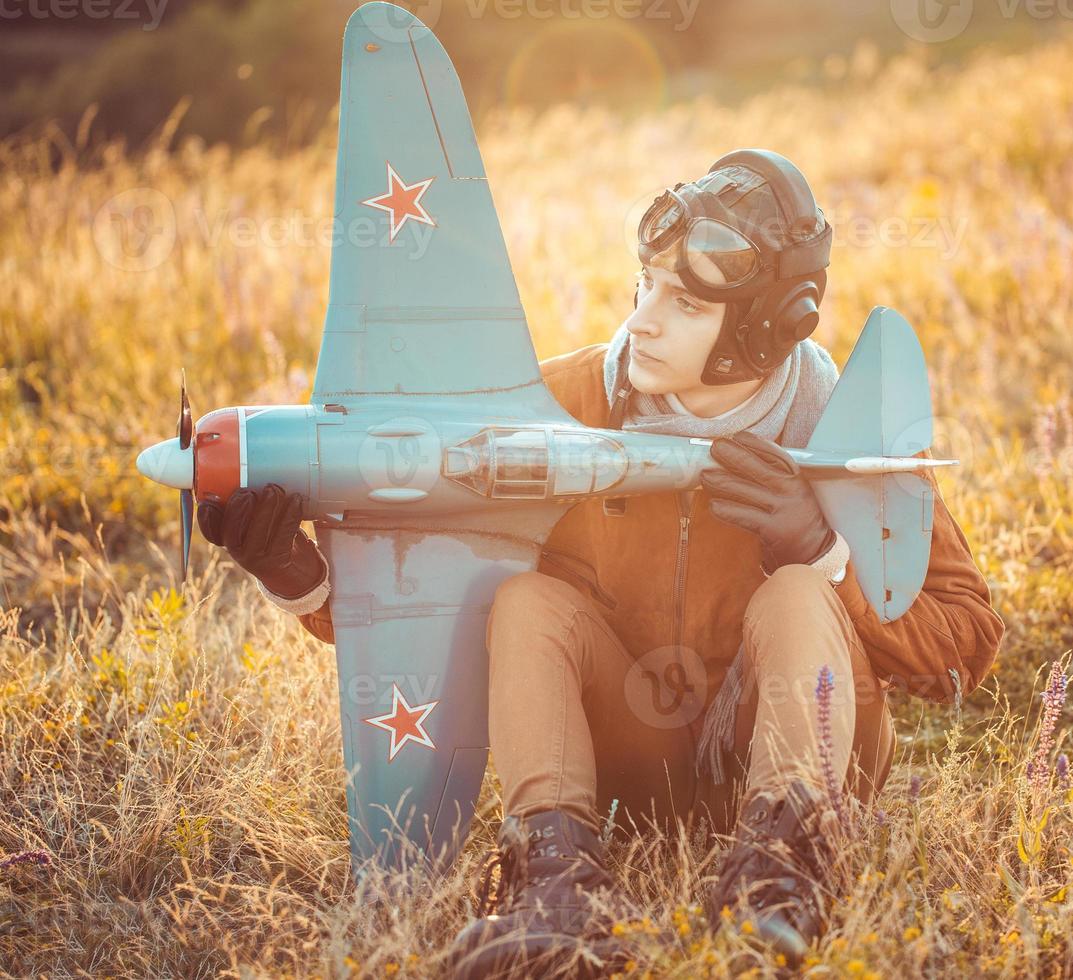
[778, 865]
[540, 919]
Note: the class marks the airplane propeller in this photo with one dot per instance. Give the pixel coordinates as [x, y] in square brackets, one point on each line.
[184, 429]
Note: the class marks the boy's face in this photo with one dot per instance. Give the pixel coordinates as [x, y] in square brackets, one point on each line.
[674, 326]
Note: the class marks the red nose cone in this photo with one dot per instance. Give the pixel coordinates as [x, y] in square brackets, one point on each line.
[218, 455]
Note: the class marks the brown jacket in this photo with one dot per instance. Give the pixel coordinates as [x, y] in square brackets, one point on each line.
[628, 564]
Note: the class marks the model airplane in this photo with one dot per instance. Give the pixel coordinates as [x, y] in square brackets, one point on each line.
[435, 462]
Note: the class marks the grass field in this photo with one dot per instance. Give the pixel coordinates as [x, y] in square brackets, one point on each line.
[175, 756]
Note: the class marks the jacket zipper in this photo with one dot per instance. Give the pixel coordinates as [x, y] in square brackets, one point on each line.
[681, 556]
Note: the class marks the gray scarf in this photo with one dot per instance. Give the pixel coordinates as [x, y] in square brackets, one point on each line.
[785, 409]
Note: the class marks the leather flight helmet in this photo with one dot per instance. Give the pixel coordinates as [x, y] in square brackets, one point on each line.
[748, 234]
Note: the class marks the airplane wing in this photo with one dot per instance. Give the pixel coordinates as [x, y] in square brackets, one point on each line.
[410, 610]
[422, 297]
[422, 303]
[881, 406]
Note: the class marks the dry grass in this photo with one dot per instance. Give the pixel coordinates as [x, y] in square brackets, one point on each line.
[178, 756]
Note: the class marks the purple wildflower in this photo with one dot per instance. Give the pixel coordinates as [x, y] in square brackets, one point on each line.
[824, 686]
[1061, 766]
[26, 857]
[914, 788]
[1054, 700]
[881, 818]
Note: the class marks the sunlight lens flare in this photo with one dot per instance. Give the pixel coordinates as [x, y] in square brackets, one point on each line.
[586, 62]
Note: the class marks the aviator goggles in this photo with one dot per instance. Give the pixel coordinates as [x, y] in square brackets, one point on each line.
[717, 261]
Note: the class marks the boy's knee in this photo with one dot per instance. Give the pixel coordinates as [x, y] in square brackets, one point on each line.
[795, 578]
[788, 586]
[523, 591]
[525, 598]
[796, 600]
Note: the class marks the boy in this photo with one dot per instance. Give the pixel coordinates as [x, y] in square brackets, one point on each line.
[746, 581]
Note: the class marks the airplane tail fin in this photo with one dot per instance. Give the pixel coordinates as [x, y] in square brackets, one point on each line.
[881, 406]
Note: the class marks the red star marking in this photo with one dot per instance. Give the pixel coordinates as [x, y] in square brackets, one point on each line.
[402, 201]
[404, 722]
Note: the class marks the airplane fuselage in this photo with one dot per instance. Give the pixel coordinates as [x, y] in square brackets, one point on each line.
[389, 457]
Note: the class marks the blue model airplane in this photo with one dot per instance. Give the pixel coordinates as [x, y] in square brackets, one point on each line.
[435, 462]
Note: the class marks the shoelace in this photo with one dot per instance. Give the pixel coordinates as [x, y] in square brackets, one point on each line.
[512, 860]
[757, 849]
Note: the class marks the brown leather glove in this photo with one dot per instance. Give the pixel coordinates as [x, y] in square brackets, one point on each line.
[761, 488]
[262, 532]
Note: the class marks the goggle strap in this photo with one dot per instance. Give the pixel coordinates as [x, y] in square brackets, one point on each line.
[806, 257]
[669, 198]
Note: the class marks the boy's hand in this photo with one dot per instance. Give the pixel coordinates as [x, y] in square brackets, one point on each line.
[262, 532]
[761, 488]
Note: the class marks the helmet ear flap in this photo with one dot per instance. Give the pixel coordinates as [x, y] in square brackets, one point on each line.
[798, 311]
[779, 321]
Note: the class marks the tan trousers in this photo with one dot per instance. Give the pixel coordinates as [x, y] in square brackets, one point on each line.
[569, 726]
